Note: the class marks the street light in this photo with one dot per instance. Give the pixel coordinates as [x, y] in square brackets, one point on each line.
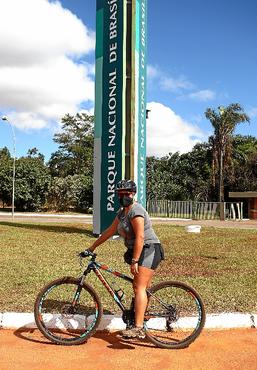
[4, 118]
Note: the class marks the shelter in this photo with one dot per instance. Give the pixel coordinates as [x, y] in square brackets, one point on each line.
[251, 198]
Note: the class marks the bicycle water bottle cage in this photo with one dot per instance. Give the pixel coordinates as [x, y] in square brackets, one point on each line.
[119, 293]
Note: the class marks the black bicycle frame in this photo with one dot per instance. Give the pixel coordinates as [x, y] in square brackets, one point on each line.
[96, 267]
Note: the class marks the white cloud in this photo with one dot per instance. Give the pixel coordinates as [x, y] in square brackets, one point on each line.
[166, 82]
[152, 72]
[41, 77]
[180, 85]
[168, 132]
[202, 95]
[175, 84]
[252, 112]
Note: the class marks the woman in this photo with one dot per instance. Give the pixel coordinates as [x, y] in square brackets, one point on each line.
[144, 251]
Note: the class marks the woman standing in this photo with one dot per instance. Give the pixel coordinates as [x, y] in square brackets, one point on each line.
[144, 251]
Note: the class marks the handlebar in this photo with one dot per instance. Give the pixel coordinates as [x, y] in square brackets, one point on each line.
[87, 253]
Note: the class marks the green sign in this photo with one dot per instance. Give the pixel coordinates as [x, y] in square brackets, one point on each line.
[120, 138]
[140, 66]
[110, 108]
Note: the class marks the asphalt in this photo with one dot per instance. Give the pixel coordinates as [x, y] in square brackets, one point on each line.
[67, 218]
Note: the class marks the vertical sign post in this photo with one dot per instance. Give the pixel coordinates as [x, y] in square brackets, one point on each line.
[138, 103]
[120, 104]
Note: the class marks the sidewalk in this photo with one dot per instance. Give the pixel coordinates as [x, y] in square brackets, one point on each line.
[19, 215]
[53, 217]
[239, 224]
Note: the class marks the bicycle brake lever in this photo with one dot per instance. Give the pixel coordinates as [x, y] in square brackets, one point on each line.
[80, 259]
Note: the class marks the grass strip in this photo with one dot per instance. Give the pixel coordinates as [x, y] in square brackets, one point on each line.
[219, 263]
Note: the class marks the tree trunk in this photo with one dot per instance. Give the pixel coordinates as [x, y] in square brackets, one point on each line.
[221, 187]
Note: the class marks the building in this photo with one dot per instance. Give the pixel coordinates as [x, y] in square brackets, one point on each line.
[250, 200]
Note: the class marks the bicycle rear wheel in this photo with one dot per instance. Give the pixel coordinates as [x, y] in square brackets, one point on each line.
[67, 313]
[175, 315]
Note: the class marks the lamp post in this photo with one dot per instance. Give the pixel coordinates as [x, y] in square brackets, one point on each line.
[4, 118]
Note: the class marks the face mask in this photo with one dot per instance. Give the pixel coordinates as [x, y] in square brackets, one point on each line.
[126, 201]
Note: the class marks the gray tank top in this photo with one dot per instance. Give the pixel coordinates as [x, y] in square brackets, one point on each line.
[125, 227]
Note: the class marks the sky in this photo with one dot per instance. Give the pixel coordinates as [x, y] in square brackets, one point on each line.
[201, 54]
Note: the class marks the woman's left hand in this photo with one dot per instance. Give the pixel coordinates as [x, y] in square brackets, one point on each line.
[134, 268]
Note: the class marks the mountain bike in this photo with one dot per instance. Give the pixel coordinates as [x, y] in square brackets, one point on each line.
[68, 310]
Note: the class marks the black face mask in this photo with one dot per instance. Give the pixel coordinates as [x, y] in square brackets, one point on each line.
[125, 201]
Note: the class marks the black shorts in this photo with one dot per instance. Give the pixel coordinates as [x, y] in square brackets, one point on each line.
[151, 256]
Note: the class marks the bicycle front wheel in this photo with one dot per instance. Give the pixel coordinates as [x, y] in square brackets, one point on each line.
[175, 315]
[66, 312]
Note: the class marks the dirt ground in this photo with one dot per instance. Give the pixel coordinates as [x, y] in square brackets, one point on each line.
[214, 350]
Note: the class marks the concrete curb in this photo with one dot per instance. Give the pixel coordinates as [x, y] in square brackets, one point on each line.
[13, 320]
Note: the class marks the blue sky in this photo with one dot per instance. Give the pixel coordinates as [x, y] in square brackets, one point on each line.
[201, 54]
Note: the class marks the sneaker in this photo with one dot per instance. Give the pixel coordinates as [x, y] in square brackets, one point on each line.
[135, 332]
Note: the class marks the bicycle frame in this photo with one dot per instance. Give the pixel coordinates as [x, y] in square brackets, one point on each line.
[60, 309]
[96, 267]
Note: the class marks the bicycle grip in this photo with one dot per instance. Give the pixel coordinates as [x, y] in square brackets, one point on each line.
[85, 253]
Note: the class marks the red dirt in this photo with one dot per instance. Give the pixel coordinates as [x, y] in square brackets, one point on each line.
[214, 350]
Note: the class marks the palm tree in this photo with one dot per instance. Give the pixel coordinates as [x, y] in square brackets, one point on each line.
[224, 121]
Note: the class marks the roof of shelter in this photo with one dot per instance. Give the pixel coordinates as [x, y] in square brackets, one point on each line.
[242, 194]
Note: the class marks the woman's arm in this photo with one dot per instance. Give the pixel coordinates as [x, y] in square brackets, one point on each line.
[110, 231]
[138, 227]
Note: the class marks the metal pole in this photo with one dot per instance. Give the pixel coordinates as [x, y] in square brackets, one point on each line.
[13, 173]
[14, 155]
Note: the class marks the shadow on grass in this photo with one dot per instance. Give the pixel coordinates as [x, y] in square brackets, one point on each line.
[49, 228]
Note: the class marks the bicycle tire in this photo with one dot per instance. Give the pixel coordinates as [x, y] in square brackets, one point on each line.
[58, 320]
[175, 315]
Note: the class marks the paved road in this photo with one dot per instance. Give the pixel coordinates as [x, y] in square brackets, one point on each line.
[242, 224]
[34, 217]
[213, 350]
[39, 217]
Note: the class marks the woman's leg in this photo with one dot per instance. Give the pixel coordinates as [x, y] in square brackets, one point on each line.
[142, 280]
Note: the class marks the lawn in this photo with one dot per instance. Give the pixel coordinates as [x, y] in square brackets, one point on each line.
[219, 263]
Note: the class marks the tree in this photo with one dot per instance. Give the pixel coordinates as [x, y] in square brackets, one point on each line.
[162, 175]
[244, 176]
[34, 153]
[224, 121]
[195, 172]
[32, 179]
[32, 182]
[4, 154]
[70, 192]
[71, 165]
[76, 143]
[180, 177]
[6, 168]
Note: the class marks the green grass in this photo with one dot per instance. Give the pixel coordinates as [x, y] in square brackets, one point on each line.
[219, 263]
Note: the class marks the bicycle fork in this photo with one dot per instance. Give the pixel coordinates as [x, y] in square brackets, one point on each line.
[75, 300]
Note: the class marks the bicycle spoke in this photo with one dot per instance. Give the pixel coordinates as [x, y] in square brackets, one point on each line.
[175, 315]
[63, 319]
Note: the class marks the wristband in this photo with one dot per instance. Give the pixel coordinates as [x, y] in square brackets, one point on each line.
[134, 261]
